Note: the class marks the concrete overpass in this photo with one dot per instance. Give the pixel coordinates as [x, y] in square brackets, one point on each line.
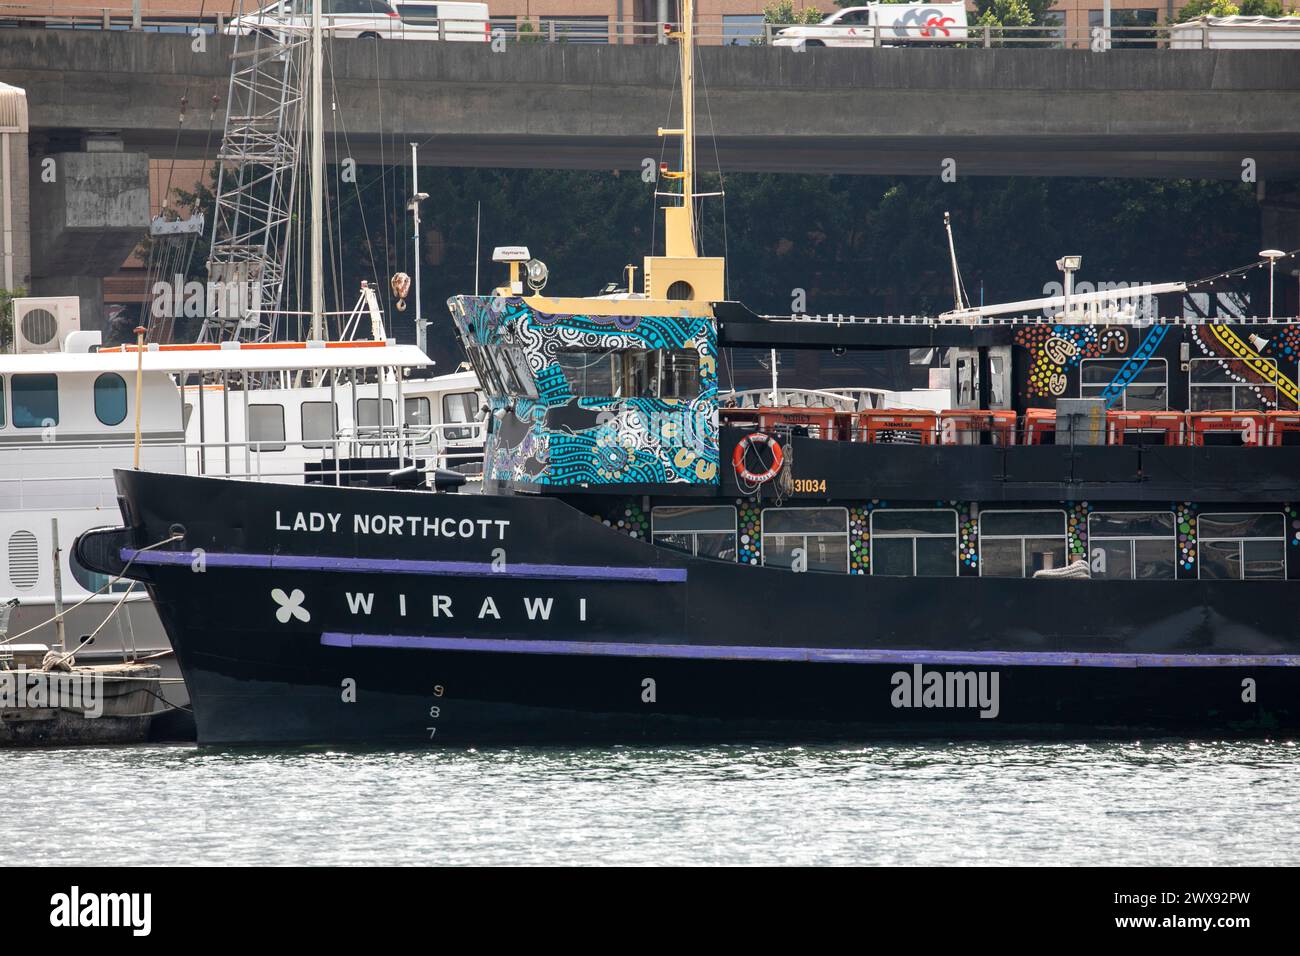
[1014, 111]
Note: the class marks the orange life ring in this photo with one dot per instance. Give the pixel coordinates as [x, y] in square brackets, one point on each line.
[742, 448]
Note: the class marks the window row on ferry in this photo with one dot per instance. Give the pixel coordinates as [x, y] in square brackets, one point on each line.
[1008, 543]
[32, 401]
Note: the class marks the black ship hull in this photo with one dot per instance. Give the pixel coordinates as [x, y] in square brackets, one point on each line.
[316, 614]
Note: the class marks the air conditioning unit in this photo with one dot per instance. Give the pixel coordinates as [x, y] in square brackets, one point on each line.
[43, 323]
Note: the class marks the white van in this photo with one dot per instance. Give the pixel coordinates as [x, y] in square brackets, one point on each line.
[882, 24]
[433, 19]
[374, 19]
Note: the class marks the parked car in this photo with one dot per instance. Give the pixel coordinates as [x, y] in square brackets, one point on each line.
[882, 24]
[374, 19]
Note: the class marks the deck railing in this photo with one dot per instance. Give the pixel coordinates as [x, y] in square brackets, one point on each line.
[710, 31]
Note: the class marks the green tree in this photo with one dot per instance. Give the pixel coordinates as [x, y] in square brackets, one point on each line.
[1201, 8]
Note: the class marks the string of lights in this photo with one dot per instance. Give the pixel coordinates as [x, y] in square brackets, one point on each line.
[1241, 270]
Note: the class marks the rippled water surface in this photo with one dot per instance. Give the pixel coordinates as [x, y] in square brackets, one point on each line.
[1139, 803]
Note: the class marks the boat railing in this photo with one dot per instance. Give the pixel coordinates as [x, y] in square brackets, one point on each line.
[844, 399]
[1038, 426]
[716, 30]
[80, 476]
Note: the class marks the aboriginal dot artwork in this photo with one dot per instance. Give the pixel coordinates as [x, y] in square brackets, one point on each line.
[628, 517]
[1076, 526]
[968, 537]
[1185, 518]
[1054, 351]
[859, 540]
[748, 539]
[547, 434]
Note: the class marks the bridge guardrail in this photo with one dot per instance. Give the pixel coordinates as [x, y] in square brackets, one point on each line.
[716, 31]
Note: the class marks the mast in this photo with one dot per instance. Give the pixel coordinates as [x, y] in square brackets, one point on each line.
[959, 300]
[679, 221]
[681, 273]
[317, 178]
[688, 126]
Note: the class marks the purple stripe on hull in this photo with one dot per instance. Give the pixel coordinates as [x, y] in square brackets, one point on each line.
[823, 655]
[304, 562]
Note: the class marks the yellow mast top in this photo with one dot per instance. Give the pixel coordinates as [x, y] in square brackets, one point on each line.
[679, 221]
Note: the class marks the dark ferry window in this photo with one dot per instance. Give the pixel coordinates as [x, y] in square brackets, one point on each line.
[2, 403]
[110, 398]
[35, 400]
[632, 373]
[1235, 547]
[1132, 545]
[812, 539]
[319, 422]
[589, 374]
[1015, 544]
[679, 374]
[522, 373]
[505, 370]
[266, 427]
[487, 375]
[708, 531]
[1224, 385]
[920, 543]
[1147, 392]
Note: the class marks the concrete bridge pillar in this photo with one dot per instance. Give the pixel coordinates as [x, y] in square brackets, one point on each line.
[89, 210]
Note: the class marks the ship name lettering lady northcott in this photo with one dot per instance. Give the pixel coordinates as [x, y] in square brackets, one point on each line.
[486, 529]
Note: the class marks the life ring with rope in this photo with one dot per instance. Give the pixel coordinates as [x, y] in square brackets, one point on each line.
[753, 440]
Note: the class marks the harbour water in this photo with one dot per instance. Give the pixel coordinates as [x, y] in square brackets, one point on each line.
[1138, 803]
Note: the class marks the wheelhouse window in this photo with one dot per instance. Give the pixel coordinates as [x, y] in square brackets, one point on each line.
[513, 366]
[1015, 544]
[266, 427]
[632, 373]
[706, 531]
[368, 412]
[320, 424]
[1235, 547]
[920, 543]
[486, 372]
[812, 539]
[35, 400]
[1224, 385]
[1132, 545]
[460, 408]
[110, 398]
[1148, 391]
[589, 374]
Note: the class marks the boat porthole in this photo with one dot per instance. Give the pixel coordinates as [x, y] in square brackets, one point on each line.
[681, 291]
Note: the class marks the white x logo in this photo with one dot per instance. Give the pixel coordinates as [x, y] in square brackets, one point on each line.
[290, 606]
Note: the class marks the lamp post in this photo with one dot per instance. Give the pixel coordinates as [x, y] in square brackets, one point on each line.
[1272, 255]
[1069, 265]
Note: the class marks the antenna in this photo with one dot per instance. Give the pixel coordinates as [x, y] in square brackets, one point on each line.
[958, 296]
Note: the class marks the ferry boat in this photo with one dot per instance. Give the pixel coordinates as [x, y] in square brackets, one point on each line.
[1095, 534]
